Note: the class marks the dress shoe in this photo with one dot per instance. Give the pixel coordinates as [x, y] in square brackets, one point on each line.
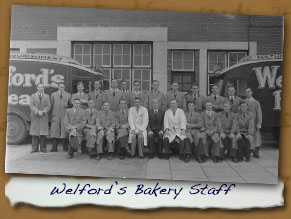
[166, 157]
[53, 150]
[187, 159]
[141, 157]
[257, 152]
[160, 156]
[199, 159]
[109, 157]
[98, 157]
[240, 159]
[214, 160]
[204, 159]
[151, 156]
[234, 160]
[70, 156]
[181, 157]
[34, 151]
[248, 159]
[121, 156]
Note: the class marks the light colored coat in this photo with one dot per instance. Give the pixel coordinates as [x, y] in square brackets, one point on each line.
[160, 96]
[39, 125]
[180, 98]
[75, 118]
[254, 107]
[193, 133]
[175, 123]
[113, 100]
[138, 121]
[59, 107]
[98, 98]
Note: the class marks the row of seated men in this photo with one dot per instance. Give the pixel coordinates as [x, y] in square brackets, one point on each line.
[208, 134]
[58, 103]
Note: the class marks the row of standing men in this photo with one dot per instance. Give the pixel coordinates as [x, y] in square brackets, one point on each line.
[56, 107]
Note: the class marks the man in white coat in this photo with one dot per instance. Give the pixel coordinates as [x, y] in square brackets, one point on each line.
[138, 120]
[175, 127]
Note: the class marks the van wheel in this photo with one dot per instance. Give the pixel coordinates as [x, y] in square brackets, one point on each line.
[16, 129]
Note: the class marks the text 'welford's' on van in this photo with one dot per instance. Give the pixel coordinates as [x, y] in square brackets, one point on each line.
[28, 70]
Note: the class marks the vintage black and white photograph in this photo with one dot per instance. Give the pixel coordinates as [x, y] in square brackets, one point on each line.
[144, 94]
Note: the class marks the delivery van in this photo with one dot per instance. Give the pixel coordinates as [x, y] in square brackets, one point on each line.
[264, 76]
[27, 70]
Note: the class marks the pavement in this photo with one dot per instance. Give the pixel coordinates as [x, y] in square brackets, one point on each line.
[263, 170]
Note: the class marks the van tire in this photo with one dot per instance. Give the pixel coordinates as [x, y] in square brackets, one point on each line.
[16, 129]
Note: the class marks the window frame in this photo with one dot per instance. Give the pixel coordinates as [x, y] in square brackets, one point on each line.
[133, 55]
[130, 57]
[182, 69]
[82, 44]
[133, 79]
[110, 54]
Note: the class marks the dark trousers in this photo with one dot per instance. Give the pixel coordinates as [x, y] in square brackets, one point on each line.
[182, 148]
[227, 143]
[200, 149]
[55, 142]
[38, 140]
[243, 147]
[153, 147]
[73, 145]
[122, 145]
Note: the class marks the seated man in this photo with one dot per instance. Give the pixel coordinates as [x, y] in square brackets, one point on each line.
[74, 122]
[155, 129]
[227, 130]
[193, 134]
[122, 127]
[138, 119]
[105, 124]
[210, 128]
[245, 132]
[175, 127]
[90, 128]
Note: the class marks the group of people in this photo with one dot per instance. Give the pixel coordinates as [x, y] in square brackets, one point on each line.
[123, 121]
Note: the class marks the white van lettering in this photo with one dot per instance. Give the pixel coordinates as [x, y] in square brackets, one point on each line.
[266, 75]
[277, 100]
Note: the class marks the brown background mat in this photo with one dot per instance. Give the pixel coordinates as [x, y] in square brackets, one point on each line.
[253, 7]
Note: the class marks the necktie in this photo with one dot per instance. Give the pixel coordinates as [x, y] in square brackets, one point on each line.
[175, 94]
[61, 95]
[122, 111]
[227, 115]
[215, 97]
[40, 96]
[114, 91]
[195, 96]
[91, 112]
[231, 100]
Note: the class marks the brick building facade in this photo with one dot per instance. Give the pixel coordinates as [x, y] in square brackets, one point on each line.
[146, 45]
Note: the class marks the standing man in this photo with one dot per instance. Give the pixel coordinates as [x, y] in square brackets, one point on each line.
[74, 121]
[97, 95]
[233, 100]
[60, 101]
[216, 99]
[175, 128]
[90, 127]
[245, 132]
[156, 94]
[127, 93]
[81, 95]
[113, 96]
[138, 93]
[193, 134]
[227, 130]
[255, 108]
[122, 127]
[176, 95]
[155, 129]
[195, 97]
[39, 127]
[210, 128]
[138, 120]
[105, 124]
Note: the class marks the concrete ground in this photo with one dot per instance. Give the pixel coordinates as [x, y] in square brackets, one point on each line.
[263, 170]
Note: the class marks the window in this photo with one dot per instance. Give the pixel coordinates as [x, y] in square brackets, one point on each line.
[124, 61]
[102, 55]
[216, 60]
[121, 55]
[143, 75]
[234, 57]
[142, 55]
[184, 80]
[82, 53]
[14, 50]
[183, 60]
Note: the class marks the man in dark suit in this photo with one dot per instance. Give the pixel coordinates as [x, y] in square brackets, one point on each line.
[155, 129]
